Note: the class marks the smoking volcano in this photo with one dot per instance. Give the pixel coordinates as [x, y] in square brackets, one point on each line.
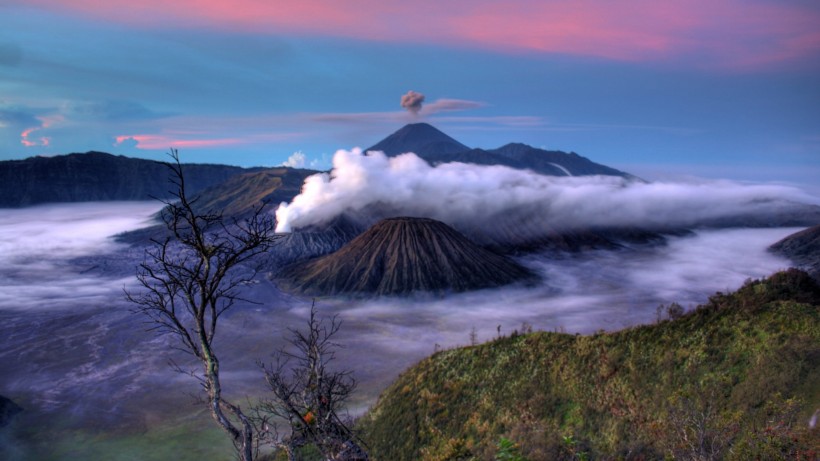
[405, 255]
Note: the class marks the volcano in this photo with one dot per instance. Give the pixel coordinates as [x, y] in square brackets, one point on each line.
[422, 139]
[436, 147]
[399, 256]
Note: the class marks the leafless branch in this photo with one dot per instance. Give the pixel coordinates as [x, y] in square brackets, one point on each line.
[309, 395]
[191, 278]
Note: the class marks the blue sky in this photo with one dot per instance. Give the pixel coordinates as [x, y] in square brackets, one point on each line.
[660, 89]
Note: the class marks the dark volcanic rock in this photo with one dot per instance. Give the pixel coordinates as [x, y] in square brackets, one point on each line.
[803, 248]
[312, 241]
[403, 256]
[8, 410]
[97, 176]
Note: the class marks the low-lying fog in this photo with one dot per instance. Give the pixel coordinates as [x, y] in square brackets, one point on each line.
[91, 378]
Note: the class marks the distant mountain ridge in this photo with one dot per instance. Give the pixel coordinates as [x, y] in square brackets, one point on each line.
[436, 147]
[98, 176]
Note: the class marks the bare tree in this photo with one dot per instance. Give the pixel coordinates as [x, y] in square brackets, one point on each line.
[193, 276]
[309, 395]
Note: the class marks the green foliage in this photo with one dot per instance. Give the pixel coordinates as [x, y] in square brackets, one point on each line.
[572, 449]
[637, 393]
[508, 451]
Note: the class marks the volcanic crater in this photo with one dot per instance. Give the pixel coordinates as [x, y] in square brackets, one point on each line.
[401, 256]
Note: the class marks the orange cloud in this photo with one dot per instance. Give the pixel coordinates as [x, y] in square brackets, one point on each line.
[728, 33]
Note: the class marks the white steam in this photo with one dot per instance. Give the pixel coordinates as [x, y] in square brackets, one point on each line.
[470, 196]
[297, 160]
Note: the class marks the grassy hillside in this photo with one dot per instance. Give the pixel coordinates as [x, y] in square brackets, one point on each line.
[736, 378]
[240, 195]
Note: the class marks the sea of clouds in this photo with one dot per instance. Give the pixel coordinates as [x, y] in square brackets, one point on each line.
[69, 344]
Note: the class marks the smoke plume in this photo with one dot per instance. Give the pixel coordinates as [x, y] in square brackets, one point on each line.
[487, 199]
[412, 101]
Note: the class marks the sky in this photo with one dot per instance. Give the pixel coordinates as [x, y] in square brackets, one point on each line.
[673, 89]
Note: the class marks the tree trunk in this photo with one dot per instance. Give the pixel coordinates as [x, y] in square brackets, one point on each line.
[243, 440]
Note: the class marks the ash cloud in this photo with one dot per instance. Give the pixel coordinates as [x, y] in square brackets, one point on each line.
[451, 105]
[412, 101]
[496, 201]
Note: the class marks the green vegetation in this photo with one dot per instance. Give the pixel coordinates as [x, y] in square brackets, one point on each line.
[735, 378]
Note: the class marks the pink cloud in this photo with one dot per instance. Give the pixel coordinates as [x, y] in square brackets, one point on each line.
[25, 138]
[28, 140]
[151, 141]
[184, 139]
[727, 33]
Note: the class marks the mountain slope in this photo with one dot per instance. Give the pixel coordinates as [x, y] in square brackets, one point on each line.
[242, 193]
[745, 366]
[436, 147]
[420, 138]
[402, 256]
[235, 198]
[541, 160]
[96, 176]
[312, 241]
[803, 248]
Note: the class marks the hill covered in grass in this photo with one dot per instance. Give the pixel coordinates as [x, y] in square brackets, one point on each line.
[736, 378]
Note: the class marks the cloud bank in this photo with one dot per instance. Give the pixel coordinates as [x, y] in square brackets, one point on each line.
[38, 243]
[471, 197]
